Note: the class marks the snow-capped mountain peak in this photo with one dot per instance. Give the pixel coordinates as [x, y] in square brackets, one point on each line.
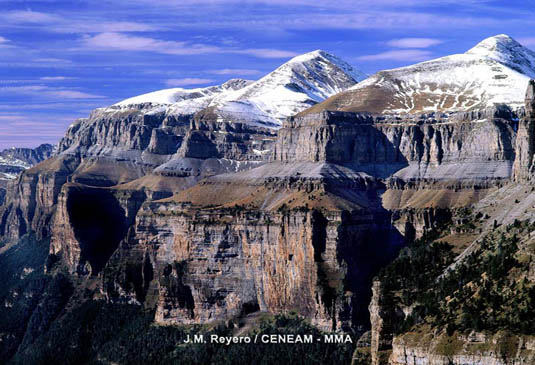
[296, 85]
[495, 71]
[175, 95]
[319, 54]
[293, 87]
[506, 51]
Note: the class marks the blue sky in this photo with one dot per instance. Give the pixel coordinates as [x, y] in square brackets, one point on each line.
[61, 59]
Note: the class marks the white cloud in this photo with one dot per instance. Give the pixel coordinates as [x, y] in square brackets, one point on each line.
[234, 71]
[55, 78]
[188, 81]
[123, 42]
[346, 4]
[71, 24]
[527, 41]
[98, 27]
[398, 55]
[413, 42]
[73, 94]
[266, 53]
[51, 60]
[40, 90]
[28, 16]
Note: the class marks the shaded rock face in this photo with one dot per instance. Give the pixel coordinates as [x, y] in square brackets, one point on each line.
[211, 265]
[31, 198]
[154, 138]
[15, 160]
[382, 321]
[90, 223]
[525, 145]
[426, 149]
[414, 223]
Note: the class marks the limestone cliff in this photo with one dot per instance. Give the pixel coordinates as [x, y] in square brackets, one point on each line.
[205, 219]
[525, 144]
[476, 147]
[31, 198]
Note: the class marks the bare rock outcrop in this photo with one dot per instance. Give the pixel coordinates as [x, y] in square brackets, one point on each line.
[474, 349]
[475, 147]
[525, 142]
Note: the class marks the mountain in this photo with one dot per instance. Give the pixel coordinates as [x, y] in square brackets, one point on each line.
[495, 71]
[411, 234]
[14, 160]
[199, 132]
[298, 84]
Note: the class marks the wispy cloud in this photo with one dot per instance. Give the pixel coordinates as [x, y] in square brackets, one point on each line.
[527, 41]
[265, 52]
[28, 16]
[188, 81]
[72, 24]
[103, 26]
[414, 42]
[125, 42]
[14, 129]
[55, 78]
[235, 71]
[313, 4]
[384, 19]
[40, 90]
[412, 55]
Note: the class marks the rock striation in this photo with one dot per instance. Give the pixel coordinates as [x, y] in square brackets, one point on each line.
[525, 144]
[412, 149]
[205, 216]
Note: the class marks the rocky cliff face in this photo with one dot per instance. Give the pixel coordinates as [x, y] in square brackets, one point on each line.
[525, 145]
[478, 146]
[210, 262]
[15, 160]
[205, 219]
[476, 348]
[89, 223]
[32, 196]
[301, 223]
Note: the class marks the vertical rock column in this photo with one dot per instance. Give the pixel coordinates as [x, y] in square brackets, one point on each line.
[381, 317]
[525, 140]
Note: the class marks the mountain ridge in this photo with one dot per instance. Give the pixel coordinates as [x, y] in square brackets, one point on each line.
[292, 87]
[486, 75]
[198, 216]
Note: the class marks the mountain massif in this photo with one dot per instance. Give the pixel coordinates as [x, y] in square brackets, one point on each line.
[15, 160]
[396, 208]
